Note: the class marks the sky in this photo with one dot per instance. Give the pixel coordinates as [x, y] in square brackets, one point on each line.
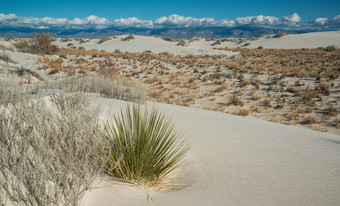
[148, 13]
[153, 9]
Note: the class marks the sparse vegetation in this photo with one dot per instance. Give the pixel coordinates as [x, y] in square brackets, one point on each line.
[143, 147]
[41, 43]
[106, 87]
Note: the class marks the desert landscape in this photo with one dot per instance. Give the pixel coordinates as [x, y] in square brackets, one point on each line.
[193, 103]
[261, 117]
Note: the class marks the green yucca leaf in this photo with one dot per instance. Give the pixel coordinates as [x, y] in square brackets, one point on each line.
[142, 147]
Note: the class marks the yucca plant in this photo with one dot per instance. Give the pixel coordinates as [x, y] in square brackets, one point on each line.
[142, 147]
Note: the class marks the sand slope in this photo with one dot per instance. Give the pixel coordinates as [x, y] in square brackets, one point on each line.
[238, 161]
[294, 41]
[205, 47]
[149, 43]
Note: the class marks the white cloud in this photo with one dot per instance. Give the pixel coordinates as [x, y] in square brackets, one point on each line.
[181, 21]
[291, 21]
[132, 22]
[294, 18]
[258, 20]
[321, 21]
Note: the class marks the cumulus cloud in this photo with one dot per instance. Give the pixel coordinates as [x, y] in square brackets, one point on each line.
[132, 22]
[258, 20]
[95, 22]
[181, 21]
[294, 18]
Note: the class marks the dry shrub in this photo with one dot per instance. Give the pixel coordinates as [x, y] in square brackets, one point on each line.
[47, 153]
[242, 112]
[234, 100]
[181, 42]
[324, 87]
[330, 48]
[12, 94]
[41, 43]
[128, 38]
[267, 102]
[279, 35]
[309, 120]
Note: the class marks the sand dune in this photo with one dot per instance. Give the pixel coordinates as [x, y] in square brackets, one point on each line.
[238, 161]
[296, 41]
[233, 160]
[203, 47]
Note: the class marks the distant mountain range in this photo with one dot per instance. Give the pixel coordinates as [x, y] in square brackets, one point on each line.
[207, 32]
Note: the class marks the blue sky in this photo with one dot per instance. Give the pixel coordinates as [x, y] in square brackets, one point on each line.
[153, 9]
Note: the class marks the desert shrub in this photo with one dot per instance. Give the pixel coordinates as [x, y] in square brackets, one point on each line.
[279, 35]
[330, 48]
[309, 120]
[324, 87]
[330, 110]
[181, 42]
[13, 94]
[128, 38]
[47, 152]
[217, 42]
[143, 147]
[267, 102]
[106, 87]
[246, 44]
[234, 100]
[168, 39]
[105, 39]
[22, 71]
[41, 43]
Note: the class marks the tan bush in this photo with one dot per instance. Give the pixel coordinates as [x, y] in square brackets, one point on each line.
[47, 154]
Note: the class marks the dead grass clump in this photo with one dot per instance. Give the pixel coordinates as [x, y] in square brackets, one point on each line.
[330, 48]
[235, 100]
[267, 102]
[324, 87]
[47, 155]
[309, 120]
[242, 112]
[330, 110]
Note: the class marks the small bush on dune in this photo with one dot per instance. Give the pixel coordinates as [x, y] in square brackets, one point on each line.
[41, 43]
[143, 148]
[330, 48]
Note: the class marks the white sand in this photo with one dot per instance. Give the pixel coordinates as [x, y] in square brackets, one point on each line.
[203, 47]
[149, 43]
[238, 161]
[293, 41]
